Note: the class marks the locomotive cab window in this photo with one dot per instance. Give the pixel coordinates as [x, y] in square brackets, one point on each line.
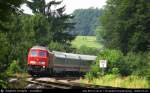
[42, 53]
[34, 53]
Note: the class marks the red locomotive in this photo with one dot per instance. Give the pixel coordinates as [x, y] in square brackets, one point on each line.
[42, 61]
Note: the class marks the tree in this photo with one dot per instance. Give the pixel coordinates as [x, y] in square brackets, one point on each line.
[7, 7]
[60, 24]
[86, 21]
[126, 25]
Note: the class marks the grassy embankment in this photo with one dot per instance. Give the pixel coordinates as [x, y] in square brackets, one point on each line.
[117, 81]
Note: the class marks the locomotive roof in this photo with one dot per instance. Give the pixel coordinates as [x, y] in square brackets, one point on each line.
[74, 56]
[41, 48]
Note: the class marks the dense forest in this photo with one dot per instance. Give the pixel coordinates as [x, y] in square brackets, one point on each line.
[125, 25]
[86, 21]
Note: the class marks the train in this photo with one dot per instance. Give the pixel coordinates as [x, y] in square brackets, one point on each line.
[42, 61]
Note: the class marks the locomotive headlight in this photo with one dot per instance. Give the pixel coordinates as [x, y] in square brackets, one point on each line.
[32, 62]
[43, 63]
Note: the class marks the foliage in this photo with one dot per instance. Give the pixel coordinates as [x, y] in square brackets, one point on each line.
[134, 63]
[125, 25]
[13, 68]
[4, 49]
[132, 81]
[8, 7]
[60, 22]
[19, 31]
[2, 84]
[89, 76]
[42, 29]
[86, 21]
[3, 79]
[124, 32]
[118, 64]
[87, 50]
[60, 47]
[113, 58]
[115, 71]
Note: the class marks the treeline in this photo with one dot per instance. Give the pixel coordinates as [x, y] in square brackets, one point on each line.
[19, 31]
[125, 25]
[86, 21]
[125, 34]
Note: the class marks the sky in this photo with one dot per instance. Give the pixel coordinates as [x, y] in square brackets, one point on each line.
[71, 5]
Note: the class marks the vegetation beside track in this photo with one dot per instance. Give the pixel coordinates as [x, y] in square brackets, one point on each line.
[118, 81]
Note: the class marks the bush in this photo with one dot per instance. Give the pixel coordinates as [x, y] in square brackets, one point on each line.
[115, 71]
[87, 50]
[113, 58]
[60, 47]
[134, 63]
[3, 84]
[89, 76]
[13, 68]
[3, 80]
[137, 64]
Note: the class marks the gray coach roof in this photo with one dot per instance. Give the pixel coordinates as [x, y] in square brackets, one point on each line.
[74, 56]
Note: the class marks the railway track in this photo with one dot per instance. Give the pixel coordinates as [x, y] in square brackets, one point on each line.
[62, 83]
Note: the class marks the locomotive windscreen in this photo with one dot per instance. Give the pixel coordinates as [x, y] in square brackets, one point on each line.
[34, 53]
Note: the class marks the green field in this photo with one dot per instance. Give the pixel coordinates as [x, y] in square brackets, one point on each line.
[89, 41]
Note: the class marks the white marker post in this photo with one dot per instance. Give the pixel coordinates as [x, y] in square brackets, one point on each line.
[103, 65]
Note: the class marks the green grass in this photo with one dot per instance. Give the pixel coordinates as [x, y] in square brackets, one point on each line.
[89, 41]
[117, 81]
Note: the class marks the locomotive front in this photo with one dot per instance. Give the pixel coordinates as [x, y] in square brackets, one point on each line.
[38, 60]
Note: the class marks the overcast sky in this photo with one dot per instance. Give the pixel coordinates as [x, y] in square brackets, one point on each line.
[71, 5]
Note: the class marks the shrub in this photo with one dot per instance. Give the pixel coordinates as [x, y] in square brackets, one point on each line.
[60, 47]
[134, 63]
[89, 76]
[113, 58]
[115, 71]
[87, 50]
[137, 64]
[3, 84]
[3, 79]
[13, 68]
